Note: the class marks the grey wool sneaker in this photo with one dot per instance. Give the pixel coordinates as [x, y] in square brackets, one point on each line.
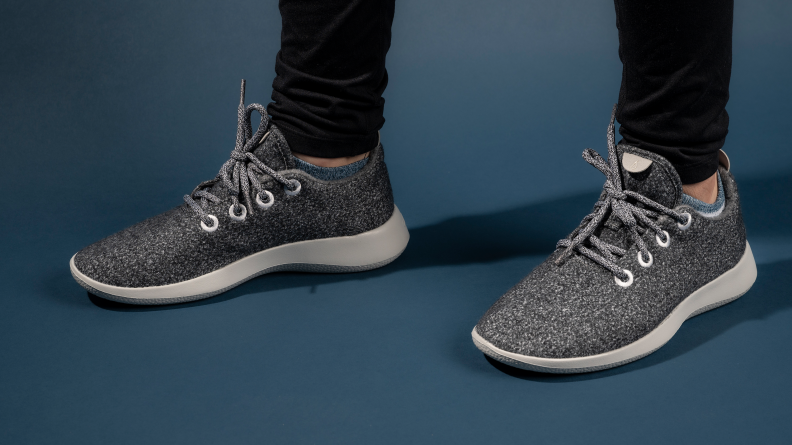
[259, 215]
[620, 286]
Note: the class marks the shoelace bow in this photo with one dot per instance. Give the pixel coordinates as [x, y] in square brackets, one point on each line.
[241, 171]
[615, 200]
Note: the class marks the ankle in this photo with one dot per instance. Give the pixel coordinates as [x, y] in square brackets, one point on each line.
[705, 191]
[332, 162]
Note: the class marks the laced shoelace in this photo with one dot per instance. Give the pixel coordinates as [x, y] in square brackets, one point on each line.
[240, 173]
[615, 200]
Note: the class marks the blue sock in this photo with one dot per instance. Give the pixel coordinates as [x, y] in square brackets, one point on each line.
[330, 173]
[709, 210]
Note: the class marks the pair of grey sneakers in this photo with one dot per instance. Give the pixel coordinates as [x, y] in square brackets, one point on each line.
[615, 290]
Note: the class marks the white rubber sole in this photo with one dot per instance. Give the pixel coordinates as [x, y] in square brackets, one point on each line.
[368, 250]
[724, 289]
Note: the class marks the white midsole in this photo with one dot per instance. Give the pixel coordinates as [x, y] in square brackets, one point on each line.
[725, 288]
[368, 248]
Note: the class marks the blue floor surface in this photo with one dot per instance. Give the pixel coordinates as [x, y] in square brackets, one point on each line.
[110, 112]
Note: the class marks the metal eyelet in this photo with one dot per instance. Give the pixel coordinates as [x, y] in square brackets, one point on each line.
[667, 241]
[645, 263]
[688, 223]
[234, 216]
[262, 204]
[627, 283]
[211, 228]
[297, 188]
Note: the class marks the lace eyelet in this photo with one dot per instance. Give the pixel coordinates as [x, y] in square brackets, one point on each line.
[296, 190]
[667, 241]
[262, 204]
[211, 228]
[234, 216]
[627, 283]
[688, 223]
[642, 262]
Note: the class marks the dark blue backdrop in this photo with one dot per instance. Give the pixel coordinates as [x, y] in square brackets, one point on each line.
[111, 111]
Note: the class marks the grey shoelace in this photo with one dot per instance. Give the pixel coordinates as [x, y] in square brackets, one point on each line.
[615, 200]
[241, 171]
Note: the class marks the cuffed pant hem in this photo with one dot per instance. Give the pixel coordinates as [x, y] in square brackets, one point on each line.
[322, 147]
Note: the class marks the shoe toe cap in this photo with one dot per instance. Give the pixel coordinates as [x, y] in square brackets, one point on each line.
[109, 263]
[149, 253]
[531, 321]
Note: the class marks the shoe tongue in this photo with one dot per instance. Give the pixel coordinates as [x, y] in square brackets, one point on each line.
[649, 174]
[274, 152]
[645, 173]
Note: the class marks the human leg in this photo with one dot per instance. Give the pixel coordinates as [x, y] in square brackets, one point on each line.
[676, 58]
[331, 75]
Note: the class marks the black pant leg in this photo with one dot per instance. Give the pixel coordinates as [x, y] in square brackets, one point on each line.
[331, 75]
[677, 57]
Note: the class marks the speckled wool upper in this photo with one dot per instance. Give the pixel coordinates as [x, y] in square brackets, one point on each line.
[172, 247]
[576, 309]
